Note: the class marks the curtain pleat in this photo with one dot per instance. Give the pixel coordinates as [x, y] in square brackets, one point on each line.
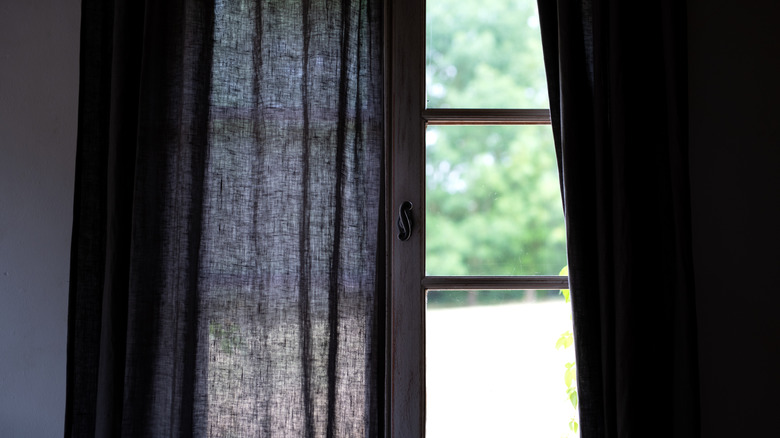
[227, 220]
[617, 80]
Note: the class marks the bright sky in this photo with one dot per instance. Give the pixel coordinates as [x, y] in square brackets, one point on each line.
[493, 371]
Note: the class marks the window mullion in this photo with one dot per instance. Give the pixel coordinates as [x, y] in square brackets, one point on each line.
[406, 301]
[471, 116]
[541, 282]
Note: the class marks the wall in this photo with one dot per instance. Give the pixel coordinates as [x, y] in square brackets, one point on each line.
[734, 89]
[38, 106]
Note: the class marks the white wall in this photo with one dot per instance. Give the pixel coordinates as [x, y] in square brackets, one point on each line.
[38, 106]
[734, 89]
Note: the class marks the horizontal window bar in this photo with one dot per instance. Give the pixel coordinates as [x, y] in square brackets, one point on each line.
[468, 116]
[497, 283]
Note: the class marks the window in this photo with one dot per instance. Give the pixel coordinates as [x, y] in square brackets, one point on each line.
[451, 147]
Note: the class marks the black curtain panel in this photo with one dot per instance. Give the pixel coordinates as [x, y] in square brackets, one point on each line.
[225, 278]
[617, 79]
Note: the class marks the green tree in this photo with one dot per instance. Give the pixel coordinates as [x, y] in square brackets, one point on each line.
[493, 202]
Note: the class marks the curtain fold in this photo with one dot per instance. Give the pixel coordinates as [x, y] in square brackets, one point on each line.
[617, 81]
[227, 220]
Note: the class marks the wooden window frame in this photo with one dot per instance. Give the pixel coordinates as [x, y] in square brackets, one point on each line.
[405, 119]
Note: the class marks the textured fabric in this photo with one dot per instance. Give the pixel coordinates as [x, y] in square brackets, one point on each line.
[617, 80]
[227, 212]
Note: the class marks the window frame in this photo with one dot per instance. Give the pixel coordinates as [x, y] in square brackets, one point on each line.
[406, 118]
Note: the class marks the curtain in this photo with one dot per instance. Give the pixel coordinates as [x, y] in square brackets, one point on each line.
[617, 80]
[225, 277]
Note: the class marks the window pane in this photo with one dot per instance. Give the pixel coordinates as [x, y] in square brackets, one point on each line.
[484, 54]
[492, 366]
[493, 201]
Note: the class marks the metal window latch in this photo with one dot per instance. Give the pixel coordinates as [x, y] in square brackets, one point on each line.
[405, 222]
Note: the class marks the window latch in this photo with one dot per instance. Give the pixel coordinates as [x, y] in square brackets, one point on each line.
[405, 222]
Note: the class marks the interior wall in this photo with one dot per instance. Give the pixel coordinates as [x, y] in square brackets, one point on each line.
[734, 90]
[38, 106]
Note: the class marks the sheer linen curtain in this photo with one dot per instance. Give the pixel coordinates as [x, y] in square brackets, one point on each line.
[617, 79]
[225, 278]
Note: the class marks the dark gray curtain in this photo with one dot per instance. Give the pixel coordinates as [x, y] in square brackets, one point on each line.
[617, 79]
[225, 278]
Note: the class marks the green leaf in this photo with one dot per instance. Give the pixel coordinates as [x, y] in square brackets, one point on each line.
[572, 392]
[565, 292]
[565, 341]
[573, 425]
[561, 342]
[568, 377]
